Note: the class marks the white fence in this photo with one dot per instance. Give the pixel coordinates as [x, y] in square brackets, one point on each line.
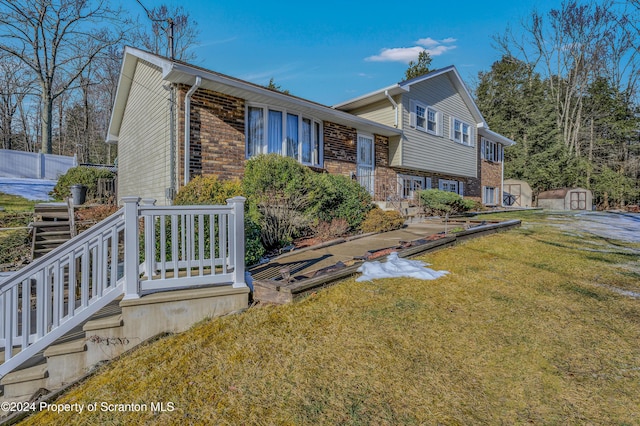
[139, 249]
[32, 165]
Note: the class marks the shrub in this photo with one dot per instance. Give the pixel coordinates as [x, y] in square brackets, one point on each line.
[208, 190]
[81, 175]
[89, 216]
[440, 203]
[211, 190]
[329, 230]
[338, 197]
[279, 191]
[379, 220]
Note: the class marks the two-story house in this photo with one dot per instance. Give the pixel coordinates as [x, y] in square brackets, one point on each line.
[173, 121]
[445, 141]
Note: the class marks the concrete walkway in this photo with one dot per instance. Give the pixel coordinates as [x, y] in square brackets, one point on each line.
[304, 261]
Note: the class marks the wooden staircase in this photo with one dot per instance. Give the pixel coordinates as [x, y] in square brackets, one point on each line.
[53, 225]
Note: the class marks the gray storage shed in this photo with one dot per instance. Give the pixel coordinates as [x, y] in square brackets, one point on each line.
[566, 199]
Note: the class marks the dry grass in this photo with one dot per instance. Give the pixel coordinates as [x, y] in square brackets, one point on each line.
[517, 333]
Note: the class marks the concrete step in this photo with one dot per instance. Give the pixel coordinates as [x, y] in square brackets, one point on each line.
[22, 383]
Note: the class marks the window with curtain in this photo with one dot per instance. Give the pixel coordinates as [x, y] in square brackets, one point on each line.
[292, 135]
[274, 133]
[255, 131]
[271, 130]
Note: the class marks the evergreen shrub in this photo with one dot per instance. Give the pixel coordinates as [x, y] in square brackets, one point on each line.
[81, 175]
[379, 220]
[440, 203]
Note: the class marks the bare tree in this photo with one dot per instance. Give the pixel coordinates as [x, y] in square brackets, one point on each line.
[57, 40]
[572, 46]
[16, 84]
[168, 25]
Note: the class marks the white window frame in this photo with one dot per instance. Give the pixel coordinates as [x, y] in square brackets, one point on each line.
[454, 124]
[491, 151]
[451, 186]
[415, 118]
[489, 195]
[316, 133]
[408, 186]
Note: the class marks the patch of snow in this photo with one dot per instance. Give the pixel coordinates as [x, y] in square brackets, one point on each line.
[397, 267]
[31, 189]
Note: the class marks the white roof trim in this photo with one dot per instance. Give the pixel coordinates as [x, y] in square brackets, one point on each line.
[495, 137]
[177, 72]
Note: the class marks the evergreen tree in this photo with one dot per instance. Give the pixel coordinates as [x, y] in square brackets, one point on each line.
[514, 102]
[420, 67]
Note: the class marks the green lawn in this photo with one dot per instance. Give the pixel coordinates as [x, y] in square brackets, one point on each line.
[14, 236]
[15, 203]
[522, 331]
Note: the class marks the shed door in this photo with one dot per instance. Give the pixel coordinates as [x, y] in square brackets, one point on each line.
[365, 162]
[513, 195]
[578, 200]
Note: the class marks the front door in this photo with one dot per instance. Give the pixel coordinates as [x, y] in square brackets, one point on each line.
[365, 163]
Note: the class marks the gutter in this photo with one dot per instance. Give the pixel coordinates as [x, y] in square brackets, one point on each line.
[187, 126]
[395, 106]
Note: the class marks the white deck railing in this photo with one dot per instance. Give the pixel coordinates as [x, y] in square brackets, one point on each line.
[182, 247]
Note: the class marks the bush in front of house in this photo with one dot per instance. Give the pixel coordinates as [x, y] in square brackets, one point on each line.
[279, 192]
[440, 203]
[208, 190]
[81, 175]
[211, 190]
[379, 220]
[338, 197]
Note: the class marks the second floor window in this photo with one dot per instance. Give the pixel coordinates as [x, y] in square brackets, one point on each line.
[492, 151]
[425, 118]
[461, 132]
[271, 130]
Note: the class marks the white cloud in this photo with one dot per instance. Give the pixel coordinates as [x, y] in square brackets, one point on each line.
[407, 54]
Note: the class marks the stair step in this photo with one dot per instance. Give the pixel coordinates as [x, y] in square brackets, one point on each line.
[26, 375]
[52, 241]
[51, 223]
[103, 323]
[74, 346]
[53, 215]
[52, 233]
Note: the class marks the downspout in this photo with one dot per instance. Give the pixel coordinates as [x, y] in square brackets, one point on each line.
[187, 127]
[395, 106]
[502, 180]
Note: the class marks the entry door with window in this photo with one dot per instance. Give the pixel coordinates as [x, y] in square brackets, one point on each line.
[365, 163]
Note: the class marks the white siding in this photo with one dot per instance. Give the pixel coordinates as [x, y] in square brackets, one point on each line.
[144, 141]
[423, 151]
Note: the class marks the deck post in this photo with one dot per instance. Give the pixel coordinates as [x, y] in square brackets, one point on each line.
[238, 238]
[131, 248]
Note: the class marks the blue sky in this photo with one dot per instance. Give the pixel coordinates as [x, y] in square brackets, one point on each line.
[332, 51]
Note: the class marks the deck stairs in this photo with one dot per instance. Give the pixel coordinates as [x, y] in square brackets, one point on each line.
[90, 299]
[53, 225]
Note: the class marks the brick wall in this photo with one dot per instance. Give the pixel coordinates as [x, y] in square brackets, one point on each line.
[217, 143]
[491, 174]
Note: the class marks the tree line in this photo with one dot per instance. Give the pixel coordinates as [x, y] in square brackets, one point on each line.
[59, 69]
[566, 90]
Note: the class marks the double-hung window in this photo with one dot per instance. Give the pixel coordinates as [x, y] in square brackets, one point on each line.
[461, 132]
[272, 130]
[425, 118]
